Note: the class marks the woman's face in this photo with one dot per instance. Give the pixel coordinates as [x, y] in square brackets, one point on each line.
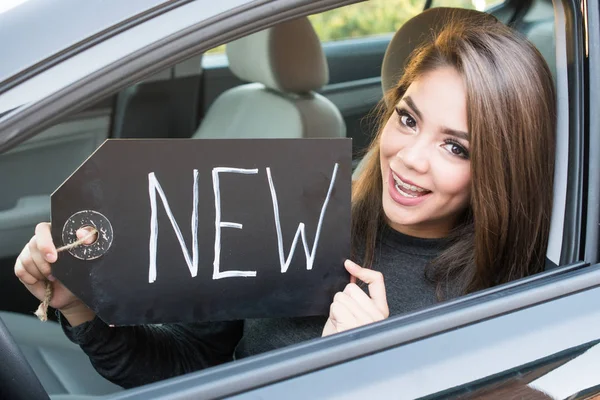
[424, 155]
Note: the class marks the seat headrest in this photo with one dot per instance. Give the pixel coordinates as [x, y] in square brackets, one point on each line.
[416, 31]
[287, 57]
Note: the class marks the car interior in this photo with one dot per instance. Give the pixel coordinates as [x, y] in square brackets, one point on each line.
[282, 82]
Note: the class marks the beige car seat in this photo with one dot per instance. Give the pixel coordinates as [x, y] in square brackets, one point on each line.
[286, 65]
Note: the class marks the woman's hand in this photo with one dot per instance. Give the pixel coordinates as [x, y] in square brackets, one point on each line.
[33, 268]
[353, 307]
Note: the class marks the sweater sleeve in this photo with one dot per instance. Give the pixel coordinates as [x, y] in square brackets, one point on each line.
[132, 356]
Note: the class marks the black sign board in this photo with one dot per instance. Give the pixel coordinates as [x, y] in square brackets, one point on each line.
[207, 230]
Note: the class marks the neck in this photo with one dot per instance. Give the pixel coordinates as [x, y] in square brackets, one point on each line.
[424, 231]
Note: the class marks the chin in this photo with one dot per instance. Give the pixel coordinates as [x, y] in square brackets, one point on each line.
[395, 215]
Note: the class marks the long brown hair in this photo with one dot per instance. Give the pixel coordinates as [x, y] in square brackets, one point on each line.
[511, 112]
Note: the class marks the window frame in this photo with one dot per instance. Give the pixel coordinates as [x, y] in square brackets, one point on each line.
[116, 23]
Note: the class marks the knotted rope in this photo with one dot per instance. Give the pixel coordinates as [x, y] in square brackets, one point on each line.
[42, 310]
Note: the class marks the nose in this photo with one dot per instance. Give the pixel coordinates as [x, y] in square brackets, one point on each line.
[416, 155]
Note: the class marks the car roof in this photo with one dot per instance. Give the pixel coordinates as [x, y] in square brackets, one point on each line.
[36, 32]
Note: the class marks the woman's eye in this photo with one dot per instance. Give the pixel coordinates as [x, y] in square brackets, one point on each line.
[406, 119]
[456, 149]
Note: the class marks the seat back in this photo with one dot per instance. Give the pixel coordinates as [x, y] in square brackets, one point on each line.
[285, 65]
[538, 26]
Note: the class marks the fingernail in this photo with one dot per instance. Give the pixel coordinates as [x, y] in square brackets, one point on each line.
[51, 278]
[351, 263]
[50, 257]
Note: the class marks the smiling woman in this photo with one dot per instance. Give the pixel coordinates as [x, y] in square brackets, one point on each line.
[465, 151]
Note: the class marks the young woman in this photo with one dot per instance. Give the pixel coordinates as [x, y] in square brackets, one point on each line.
[455, 197]
[463, 160]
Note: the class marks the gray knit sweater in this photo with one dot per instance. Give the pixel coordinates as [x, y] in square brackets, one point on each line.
[133, 356]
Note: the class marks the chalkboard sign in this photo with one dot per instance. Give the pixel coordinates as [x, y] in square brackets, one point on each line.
[207, 230]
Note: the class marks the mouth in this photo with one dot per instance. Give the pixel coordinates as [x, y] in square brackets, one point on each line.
[408, 189]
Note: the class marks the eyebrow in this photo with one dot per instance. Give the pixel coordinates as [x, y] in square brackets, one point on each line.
[448, 131]
[454, 132]
[412, 105]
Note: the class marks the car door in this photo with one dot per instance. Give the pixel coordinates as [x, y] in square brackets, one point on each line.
[540, 303]
[535, 339]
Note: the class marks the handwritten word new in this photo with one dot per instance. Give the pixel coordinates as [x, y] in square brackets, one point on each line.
[192, 262]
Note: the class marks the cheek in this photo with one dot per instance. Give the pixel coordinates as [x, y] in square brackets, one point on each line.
[384, 142]
[454, 180]
[390, 142]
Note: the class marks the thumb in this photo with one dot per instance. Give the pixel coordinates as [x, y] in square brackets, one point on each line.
[375, 281]
[88, 234]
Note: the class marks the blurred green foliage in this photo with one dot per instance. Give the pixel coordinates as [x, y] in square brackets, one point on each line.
[370, 18]
[374, 17]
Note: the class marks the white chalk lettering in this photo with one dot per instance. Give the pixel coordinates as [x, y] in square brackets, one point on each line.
[217, 274]
[310, 255]
[153, 187]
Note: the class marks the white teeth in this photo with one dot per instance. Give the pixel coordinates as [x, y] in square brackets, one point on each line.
[407, 186]
[412, 196]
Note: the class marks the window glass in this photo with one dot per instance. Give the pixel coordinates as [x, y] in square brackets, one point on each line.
[480, 5]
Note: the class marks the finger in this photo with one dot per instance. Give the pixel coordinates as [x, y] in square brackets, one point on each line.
[88, 234]
[352, 278]
[359, 313]
[24, 276]
[29, 265]
[341, 318]
[375, 281]
[38, 289]
[364, 301]
[44, 241]
[38, 259]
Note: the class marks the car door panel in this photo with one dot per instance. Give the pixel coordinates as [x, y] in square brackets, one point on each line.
[34, 169]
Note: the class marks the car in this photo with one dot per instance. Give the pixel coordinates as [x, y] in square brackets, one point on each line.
[76, 73]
